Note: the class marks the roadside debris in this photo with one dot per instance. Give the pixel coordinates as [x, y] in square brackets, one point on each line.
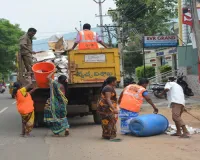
[172, 129]
[60, 61]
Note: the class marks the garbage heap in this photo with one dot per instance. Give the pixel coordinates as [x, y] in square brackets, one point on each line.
[59, 60]
[56, 54]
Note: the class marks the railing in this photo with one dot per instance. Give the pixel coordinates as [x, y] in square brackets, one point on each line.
[161, 78]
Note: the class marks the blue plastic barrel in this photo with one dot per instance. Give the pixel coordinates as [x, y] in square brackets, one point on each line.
[148, 125]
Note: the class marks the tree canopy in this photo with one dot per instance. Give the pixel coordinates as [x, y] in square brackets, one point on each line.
[149, 17]
[142, 17]
[9, 45]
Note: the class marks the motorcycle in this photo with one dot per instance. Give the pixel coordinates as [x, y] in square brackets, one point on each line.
[2, 89]
[158, 89]
[187, 91]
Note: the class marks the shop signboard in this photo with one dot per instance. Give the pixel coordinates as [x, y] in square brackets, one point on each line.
[160, 41]
[169, 51]
[160, 53]
[187, 16]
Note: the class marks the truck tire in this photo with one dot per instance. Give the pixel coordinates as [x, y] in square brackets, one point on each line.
[39, 119]
[97, 118]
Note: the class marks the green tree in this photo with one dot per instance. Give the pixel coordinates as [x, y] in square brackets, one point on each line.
[142, 17]
[9, 45]
[132, 59]
[149, 17]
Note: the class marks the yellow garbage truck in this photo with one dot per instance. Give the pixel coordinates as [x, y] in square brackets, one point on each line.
[87, 70]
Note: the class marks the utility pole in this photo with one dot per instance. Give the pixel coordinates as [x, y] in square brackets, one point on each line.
[120, 46]
[196, 27]
[144, 60]
[100, 2]
[108, 30]
[109, 36]
[180, 22]
[80, 25]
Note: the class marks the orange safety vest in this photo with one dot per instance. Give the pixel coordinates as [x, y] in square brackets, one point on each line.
[87, 40]
[132, 98]
[24, 104]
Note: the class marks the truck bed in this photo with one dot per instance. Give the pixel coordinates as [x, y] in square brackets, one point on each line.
[93, 66]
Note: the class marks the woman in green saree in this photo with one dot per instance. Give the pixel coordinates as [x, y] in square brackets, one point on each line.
[55, 110]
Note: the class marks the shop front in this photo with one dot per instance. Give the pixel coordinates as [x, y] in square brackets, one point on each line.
[162, 57]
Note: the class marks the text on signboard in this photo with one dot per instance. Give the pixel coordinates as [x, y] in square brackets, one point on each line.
[161, 38]
[93, 74]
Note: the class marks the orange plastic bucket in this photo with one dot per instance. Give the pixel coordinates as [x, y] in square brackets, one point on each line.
[41, 71]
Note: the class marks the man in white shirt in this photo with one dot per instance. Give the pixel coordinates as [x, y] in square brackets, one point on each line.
[176, 100]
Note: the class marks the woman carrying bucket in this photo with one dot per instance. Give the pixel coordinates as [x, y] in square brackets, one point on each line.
[55, 110]
[25, 106]
[130, 102]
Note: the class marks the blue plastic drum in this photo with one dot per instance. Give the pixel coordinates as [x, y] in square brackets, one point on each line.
[148, 125]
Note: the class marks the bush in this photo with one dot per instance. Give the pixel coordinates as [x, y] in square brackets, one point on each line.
[149, 70]
[165, 68]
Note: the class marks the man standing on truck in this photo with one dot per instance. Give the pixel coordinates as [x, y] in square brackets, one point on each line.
[87, 39]
[26, 50]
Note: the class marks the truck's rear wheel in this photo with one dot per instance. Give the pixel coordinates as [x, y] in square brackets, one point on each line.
[97, 118]
[39, 119]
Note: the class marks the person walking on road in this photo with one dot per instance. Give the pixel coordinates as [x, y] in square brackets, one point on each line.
[130, 102]
[25, 106]
[26, 50]
[87, 39]
[176, 98]
[107, 108]
[55, 111]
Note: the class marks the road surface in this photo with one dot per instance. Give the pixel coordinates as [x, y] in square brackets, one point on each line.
[85, 143]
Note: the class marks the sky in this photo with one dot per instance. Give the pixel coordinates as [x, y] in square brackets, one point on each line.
[53, 16]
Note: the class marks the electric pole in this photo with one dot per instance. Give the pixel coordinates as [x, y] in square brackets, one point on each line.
[196, 27]
[80, 25]
[120, 46]
[108, 30]
[100, 2]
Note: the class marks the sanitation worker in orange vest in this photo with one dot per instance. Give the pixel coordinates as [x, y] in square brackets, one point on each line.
[87, 39]
[130, 102]
[25, 106]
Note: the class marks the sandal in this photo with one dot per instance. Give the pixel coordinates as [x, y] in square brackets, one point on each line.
[66, 133]
[184, 136]
[175, 134]
[115, 140]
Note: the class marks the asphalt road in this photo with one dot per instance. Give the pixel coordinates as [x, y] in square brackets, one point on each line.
[12, 146]
[83, 143]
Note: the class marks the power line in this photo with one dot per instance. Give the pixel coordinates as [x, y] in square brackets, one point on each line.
[144, 4]
[137, 10]
[100, 2]
[136, 13]
[133, 15]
